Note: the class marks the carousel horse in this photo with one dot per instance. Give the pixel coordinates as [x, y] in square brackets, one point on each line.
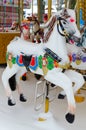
[47, 59]
[37, 31]
[14, 26]
[77, 54]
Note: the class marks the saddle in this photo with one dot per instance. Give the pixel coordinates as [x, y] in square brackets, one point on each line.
[26, 61]
[30, 62]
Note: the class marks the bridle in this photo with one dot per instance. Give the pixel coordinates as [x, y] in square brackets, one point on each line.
[69, 37]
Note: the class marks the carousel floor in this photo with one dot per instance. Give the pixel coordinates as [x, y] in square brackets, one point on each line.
[22, 116]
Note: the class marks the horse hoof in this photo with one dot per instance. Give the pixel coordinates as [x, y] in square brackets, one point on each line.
[22, 98]
[70, 117]
[60, 96]
[10, 103]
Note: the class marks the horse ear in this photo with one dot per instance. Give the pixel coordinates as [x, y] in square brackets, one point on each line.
[65, 13]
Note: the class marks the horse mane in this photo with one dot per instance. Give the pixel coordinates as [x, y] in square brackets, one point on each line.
[45, 25]
[49, 27]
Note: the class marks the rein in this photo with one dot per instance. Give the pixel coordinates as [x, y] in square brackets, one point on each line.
[69, 37]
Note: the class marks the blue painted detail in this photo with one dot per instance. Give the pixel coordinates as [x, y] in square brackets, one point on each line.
[18, 62]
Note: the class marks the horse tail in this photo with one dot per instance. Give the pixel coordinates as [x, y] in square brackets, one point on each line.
[12, 82]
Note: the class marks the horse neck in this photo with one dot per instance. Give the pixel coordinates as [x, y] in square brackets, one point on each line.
[57, 43]
[72, 48]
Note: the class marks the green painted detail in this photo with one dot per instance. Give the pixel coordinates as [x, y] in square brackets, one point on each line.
[40, 61]
[50, 64]
[13, 60]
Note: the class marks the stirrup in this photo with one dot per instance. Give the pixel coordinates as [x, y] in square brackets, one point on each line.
[39, 94]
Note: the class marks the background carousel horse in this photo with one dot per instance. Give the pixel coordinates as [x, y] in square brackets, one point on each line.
[25, 31]
[77, 54]
[15, 26]
[49, 56]
[37, 31]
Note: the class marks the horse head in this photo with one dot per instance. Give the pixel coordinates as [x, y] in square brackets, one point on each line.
[70, 16]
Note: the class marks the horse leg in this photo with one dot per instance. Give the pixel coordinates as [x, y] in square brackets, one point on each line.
[60, 79]
[76, 78]
[7, 74]
[18, 75]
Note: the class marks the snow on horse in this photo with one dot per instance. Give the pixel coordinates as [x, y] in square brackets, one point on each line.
[47, 59]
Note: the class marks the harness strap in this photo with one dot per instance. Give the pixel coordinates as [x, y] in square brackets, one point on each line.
[52, 55]
[64, 31]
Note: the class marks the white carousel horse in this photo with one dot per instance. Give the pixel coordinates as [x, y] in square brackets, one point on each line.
[44, 59]
[77, 54]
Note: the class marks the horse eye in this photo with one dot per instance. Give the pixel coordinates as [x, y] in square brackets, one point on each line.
[64, 22]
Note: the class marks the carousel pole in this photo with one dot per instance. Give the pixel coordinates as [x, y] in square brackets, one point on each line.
[47, 99]
[41, 5]
[65, 3]
[32, 7]
[78, 15]
[47, 85]
[49, 8]
[46, 105]
[20, 4]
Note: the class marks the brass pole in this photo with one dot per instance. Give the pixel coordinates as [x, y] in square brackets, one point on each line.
[22, 1]
[49, 8]
[65, 3]
[38, 4]
[32, 7]
[20, 11]
[78, 14]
